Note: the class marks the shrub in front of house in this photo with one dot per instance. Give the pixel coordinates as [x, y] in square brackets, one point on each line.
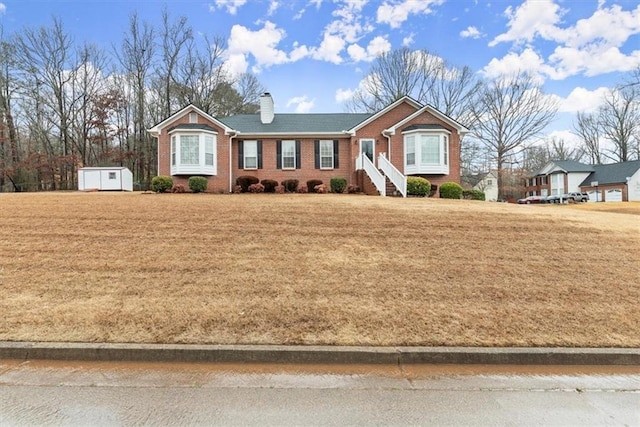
[256, 188]
[161, 183]
[237, 189]
[269, 185]
[450, 190]
[473, 195]
[312, 184]
[320, 189]
[353, 189]
[303, 189]
[197, 184]
[290, 185]
[178, 188]
[279, 189]
[418, 186]
[338, 185]
[245, 181]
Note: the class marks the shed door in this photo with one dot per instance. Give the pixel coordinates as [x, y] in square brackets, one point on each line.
[91, 180]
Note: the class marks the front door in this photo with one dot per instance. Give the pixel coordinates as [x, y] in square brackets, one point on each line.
[367, 147]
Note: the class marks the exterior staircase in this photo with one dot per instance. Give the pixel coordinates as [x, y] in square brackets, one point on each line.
[384, 180]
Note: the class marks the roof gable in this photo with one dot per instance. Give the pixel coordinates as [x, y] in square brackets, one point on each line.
[405, 99]
[566, 166]
[462, 130]
[155, 130]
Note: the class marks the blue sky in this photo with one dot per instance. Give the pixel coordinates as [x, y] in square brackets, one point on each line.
[312, 54]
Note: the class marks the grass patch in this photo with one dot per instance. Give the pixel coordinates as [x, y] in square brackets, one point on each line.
[311, 269]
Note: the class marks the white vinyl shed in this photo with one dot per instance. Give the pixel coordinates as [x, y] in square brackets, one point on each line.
[105, 178]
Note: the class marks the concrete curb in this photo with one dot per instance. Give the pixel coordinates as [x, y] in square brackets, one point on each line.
[318, 354]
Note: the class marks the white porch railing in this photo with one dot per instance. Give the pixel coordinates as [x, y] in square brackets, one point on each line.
[363, 162]
[394, 175]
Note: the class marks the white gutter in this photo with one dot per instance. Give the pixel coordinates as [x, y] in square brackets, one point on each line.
[387, 134]
[235, 133]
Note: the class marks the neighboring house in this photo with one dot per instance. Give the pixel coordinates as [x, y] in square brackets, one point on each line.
[615, 182]
[618, 182]
[405, 138]
[557, 177]
[487, 182]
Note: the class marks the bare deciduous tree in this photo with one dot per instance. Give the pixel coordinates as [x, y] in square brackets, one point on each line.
[619, 121]
[587, 129]
[509, 113]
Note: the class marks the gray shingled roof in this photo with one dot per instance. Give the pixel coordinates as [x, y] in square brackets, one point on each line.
[573, 166]
[612, 174]
[295, 123]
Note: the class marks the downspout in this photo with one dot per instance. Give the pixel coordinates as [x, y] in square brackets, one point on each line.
[387, 134]
[235, 133]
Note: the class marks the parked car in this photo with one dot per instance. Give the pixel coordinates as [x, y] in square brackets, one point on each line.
[531, 199]
[577, 197]
[555, 198]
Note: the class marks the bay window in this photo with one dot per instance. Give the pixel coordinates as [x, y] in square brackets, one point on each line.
[193, 152]
[426, 152]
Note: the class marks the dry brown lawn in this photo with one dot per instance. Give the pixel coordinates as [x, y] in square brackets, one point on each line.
[315, 269]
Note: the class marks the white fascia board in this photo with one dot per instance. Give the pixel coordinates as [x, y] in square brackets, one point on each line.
[462, 130]
[385, 110]
[292, 134]
[155, 130]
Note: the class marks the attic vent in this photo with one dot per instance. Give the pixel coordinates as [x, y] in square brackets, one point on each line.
[193, 117]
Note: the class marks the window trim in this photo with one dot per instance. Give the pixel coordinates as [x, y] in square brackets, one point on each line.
[177, 167]
[245, 145]
[414, 139]
[331, 156]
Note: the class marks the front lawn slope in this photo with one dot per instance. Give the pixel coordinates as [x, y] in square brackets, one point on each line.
[315, 269]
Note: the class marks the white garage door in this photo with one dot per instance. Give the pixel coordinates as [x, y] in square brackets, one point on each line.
[613, 195]
[593, 194]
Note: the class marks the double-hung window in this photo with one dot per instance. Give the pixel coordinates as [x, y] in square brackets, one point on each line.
[326, 154]
[251, 154]
[288, 154]
[410, 149]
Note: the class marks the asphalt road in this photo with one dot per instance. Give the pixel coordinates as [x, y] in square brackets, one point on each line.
[91, 393]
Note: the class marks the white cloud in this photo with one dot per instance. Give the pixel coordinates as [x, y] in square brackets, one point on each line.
[376, 47]
[329, 50]
[591, 46]
[260, 44]
[3, 8]
[408, 41]
[232, 6]
[531, 18]
[299, 52]
[396, 13]
[273, 6]
[571, 139]
[581, 99]
[471, 32]
[301, 103]
[528, 61]
[343, 95]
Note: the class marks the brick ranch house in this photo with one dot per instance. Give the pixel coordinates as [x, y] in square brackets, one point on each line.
[373, 151]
